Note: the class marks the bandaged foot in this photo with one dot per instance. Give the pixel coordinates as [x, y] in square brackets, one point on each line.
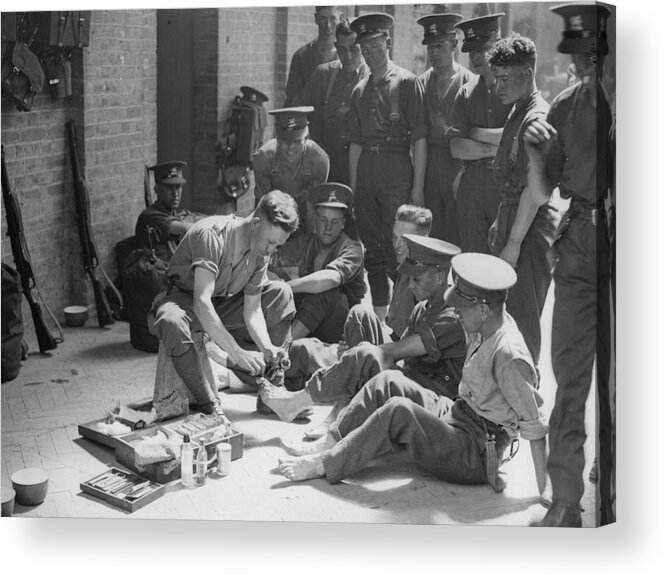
[299, 448]
[302, 468]
[286, 404]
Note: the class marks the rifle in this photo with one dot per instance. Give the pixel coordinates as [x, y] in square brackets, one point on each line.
[45, 338]
[90, 253]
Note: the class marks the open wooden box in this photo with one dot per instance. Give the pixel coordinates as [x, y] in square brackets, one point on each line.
[124, 490]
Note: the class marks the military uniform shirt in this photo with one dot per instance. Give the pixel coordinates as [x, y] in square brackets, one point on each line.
[579, 160]
[219, 244]
[440, 110]
[499, 376]
[444, 339]
[477, 105]
[303, 64]
[369, 117]
[330, 116]
[345, 257]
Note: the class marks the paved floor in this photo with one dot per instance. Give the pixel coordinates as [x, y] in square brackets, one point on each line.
[94, 368]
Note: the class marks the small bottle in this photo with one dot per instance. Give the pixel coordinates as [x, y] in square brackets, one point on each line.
[223, 459]
[201, 464]
[186, 462]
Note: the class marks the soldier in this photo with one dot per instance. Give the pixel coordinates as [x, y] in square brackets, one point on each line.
[461, 441]
[387, 120]
[291, 162]
[217, 289]
[521, 234]
[329, 92]
[572, 151]
[477, 124]
[318, 51]
[441, 81]
[330, 277]
[162, 216]
[432, 348]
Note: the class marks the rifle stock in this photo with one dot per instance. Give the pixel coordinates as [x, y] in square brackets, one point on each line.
[45, 338]
[147, 192]
[90, 256]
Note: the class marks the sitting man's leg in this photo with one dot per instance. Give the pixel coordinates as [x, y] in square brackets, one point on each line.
[321, 315]
[172, 327]
[338, 382]
[362, 324]
[391, 412]
[307, 356]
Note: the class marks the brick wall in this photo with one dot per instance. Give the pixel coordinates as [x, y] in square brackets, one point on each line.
[113, 107]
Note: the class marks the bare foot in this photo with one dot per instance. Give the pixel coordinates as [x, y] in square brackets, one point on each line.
[302, 468]
[288, 405]
[321, 430]
[298, 448]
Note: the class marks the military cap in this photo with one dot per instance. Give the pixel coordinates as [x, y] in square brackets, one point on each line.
[438, 26]
[372, 25]
[253, 95]
[479, 279]
[426, 252]
[331, 194]
[291, 122]
[477, 31]
[169, 172]
[585, 27]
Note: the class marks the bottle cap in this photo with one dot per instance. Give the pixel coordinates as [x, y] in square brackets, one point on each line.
[185, 439]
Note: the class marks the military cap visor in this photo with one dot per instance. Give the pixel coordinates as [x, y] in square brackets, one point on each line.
[331, 195]
[291, 123]
[477, 31]
[438, 26]
[169, 172]
[585, 28]
[369, 26]
[425, 253]
[253, 95]
[479, 279]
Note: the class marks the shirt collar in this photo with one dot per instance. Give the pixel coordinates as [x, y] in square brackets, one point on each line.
[391, 70]
[243, 233]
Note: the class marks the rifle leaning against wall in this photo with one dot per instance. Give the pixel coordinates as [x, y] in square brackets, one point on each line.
[91, 263]
[45, 337]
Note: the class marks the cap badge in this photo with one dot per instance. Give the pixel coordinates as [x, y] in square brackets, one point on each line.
[433, 29]
[576, 23]
[332, 197]
[173, 172]
[470, 34]
[292, 123]
[363, 29]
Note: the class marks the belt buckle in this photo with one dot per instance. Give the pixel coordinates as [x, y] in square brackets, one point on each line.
[490, 164]
[374, 148]
[594, 216]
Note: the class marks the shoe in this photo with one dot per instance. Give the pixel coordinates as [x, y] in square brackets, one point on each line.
[561, 514]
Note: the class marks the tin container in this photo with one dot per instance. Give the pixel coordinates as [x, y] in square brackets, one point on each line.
[223, 459]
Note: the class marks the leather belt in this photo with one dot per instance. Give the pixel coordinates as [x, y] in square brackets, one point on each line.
[385, 148]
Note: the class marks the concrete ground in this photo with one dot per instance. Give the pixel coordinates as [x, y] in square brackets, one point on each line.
[94, 368]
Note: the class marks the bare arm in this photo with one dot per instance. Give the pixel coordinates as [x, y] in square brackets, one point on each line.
[419, 167]
[467, 149]
[411, 346]
[539, 457]
[354, 155]
[486, 135]
[179, 227]
[204, 284]
[316, 283]
[256, 323]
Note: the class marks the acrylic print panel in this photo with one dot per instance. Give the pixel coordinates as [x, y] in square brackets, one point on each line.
[157, 85]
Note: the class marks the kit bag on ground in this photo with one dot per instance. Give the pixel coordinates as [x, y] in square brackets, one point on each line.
[142, 275]
[12, 323]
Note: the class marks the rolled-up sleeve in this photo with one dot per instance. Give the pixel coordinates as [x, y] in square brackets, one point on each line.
[207, 247]
[348, 262]
[413, 93]
[515, 379]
